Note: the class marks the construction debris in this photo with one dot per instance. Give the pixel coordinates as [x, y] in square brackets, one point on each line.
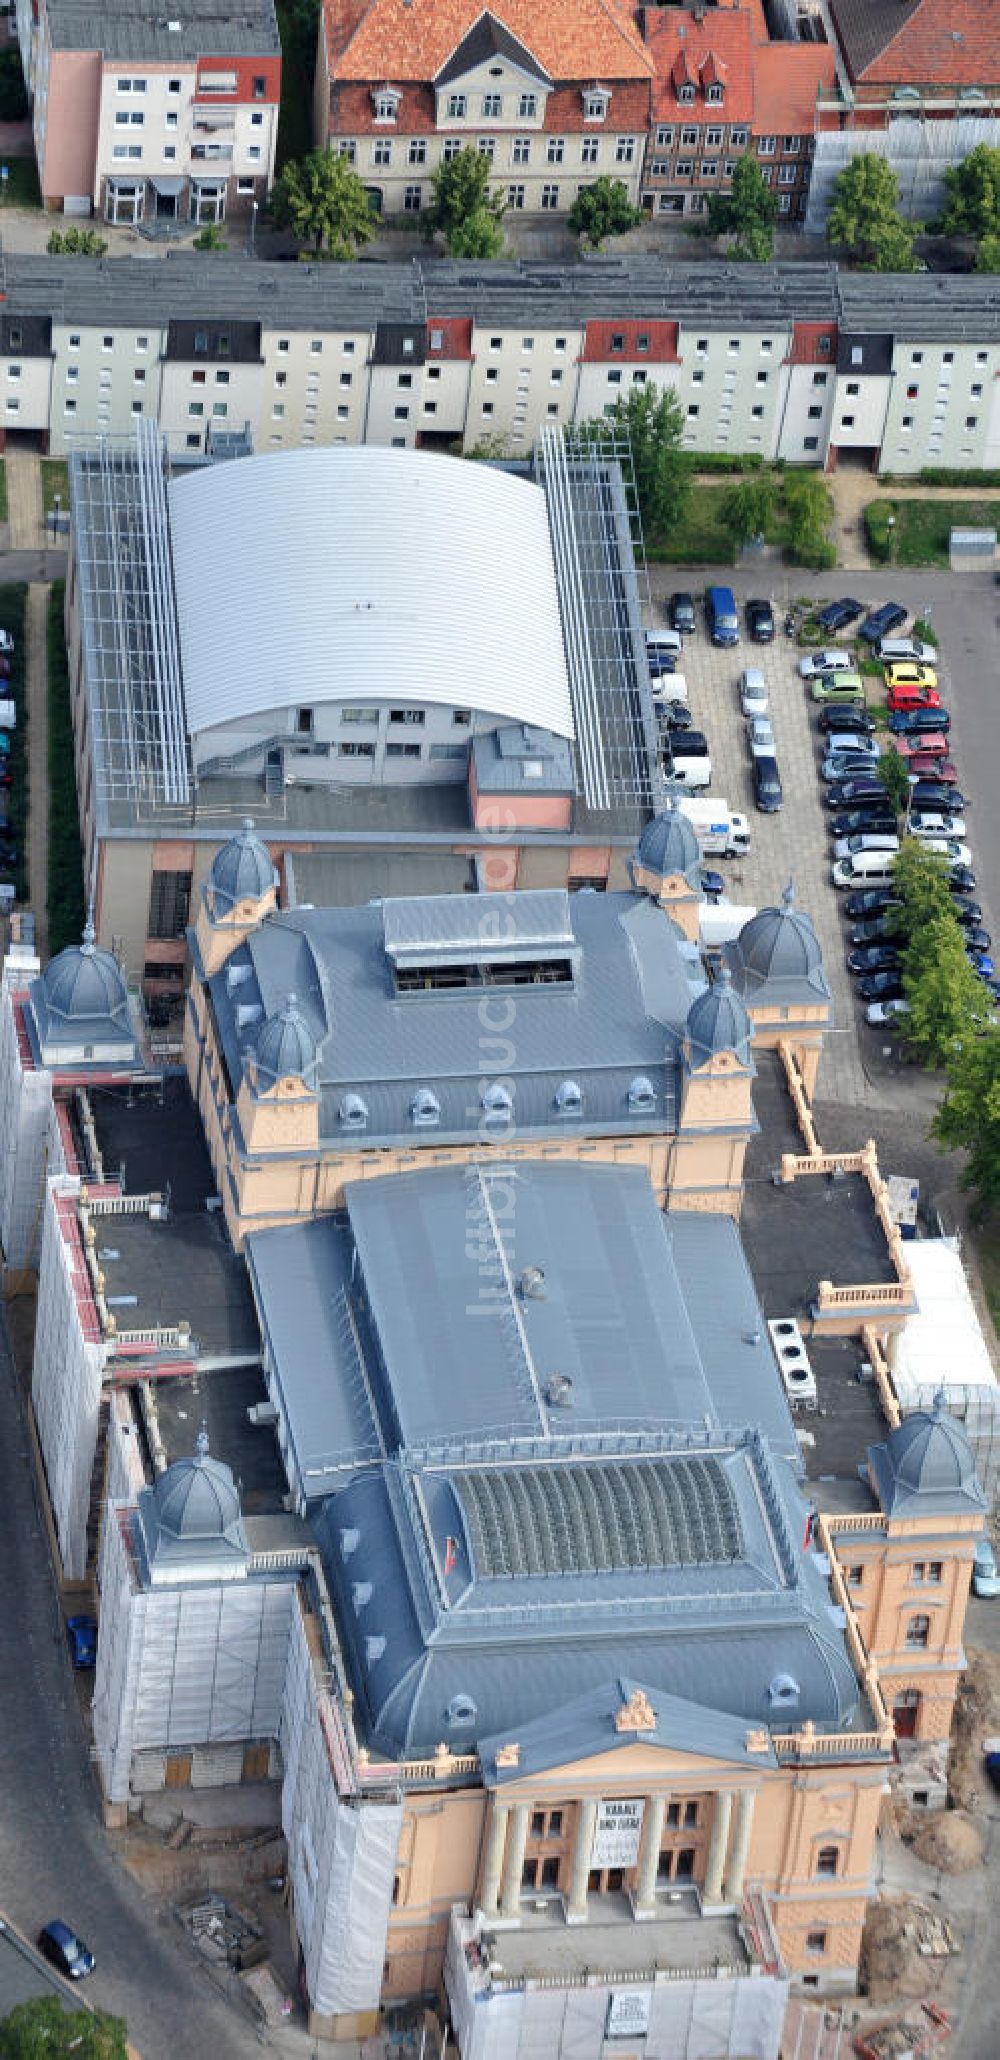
[901, 1941]
[949, 1841]
[907, 2038]
[222, 1933]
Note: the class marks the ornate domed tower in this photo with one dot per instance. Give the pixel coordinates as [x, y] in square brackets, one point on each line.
[666, 865]
[777, 967]
[278, 1100]
[240, 890]
[79, 1009]
[190, 1522]
[715, 1114]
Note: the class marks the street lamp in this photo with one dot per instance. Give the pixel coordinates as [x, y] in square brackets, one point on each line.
[890, 526]
[253, 226]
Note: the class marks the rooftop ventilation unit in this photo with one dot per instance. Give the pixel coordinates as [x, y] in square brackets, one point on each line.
[559, 1391]
[793, 1362]
[532, 1284]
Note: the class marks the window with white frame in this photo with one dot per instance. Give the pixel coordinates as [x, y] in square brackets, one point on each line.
[129, 117]
[595, 105]
[527, 106]
[550, 198]
[386, 106]
[738, 139]
[520, 150]
[417, 152]
[714, 94]
[412, 199]
[555, 150]
[625, 150]
[766, 146]
[664, 138]
[382, 151]
[791, 145]
[515, 200]
[590, 150]
[688, 138]
[683, 168]
[458, 107]
[713, 139]
[450, 148]
[709, 168]
[685, 95]
[348, 149]
[487, 147]
[660, 168]
[492, 107]
[787, 175]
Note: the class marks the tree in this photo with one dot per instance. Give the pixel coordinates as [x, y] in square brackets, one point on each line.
[748, 507]
[210, 238]
[45, 2030]
[969, 1115]
[895, 779]
[463, 209]
[653, 421]
[973, 189]
[747, 213]
[323, 202]
[988, 255]
[949, 1003]
[601, 210]
[75, 243]
[864, 219]
[920, 882]
[808, 510]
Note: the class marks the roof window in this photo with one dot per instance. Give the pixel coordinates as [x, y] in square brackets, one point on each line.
[569, 1099]
[353, 1112]
[498, 1104]
[425, 1107]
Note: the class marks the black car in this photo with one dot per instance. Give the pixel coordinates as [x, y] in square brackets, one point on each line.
[877, 930]
[881, 987]
[917, 722]
[767, 785]
[680, 613]
[966, 910]
[857, 721]
[837, 614]
[882, 621]
[935, 794]
[868, 819]
[676, 717]
[760, 621]
[693, 744]
[870, 901]
[847, 793]
[976, 938]
[961, 879]
[873, 958]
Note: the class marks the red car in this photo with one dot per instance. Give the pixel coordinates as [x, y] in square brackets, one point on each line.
[921, 766]
[932, 745]
[913, 697]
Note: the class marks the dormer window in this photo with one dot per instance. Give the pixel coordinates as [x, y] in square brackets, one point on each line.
[386, 103]
[498, 1105]
[641, 1096]
[714, 95]
[596, 101]
[685, 95]
[352, 1113]
[425, 1108]
[783, 1692]
[569, 1099]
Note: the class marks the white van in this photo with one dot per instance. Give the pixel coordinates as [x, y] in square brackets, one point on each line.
[865, 840]
[670, 686]
[866, 869]
[689, 772]
[666, 643]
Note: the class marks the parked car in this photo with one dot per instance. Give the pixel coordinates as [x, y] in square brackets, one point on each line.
[977, 938]
[886, 986]
[885, 1011]
[665, 641]
[912, 697]
[926, 763]
[6, 640]
[819, 662]
[760, 736]
[874, 958]
[895, 650]
[675, 717]
[681, 613]
[838, 686]
[832, 719]
[660, 662]
[712, 883]
[961, 879]
[81, 1633]
[916, 722]
[846, 765]
[981, 963]
[848, 793]
[877, 930]
[723, 620]
[66, 1951]
[907, 673]
[985, 1577]
[853, 821]
[948, 847]
[881, 622]
[753, 691]
[871, 901]
[935, 794]
[933, 822]
[853, 740]
[837, 614]
[966, 910]
[767, 785]
[4, 668]
[866, 840]
[759, 616]
[4, 744]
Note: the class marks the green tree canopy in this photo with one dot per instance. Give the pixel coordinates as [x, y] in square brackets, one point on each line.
[44, 2030]
[747, 213]
[323, 202]
[603, 209]
[988, 254]
[973, 189]
[949, 1004]
[895, 779]
[653, 421]
[865, 221]
[748, 508]
[920, 880]
[463, 209]
[76, 243]
[969, 1115]
[808, 511]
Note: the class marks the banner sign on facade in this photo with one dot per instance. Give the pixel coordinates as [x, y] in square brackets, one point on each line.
[628, 2013]
[616, 1838]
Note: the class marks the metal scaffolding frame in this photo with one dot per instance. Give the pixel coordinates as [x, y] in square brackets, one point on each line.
[128, 618]
[600, 561]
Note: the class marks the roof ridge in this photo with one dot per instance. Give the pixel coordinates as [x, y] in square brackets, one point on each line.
[627, 28]
[914, 7]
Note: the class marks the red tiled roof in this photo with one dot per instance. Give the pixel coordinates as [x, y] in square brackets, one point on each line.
[352, 113]
[661, 348]
[805, 345]
[786, 77]
[400, 40]
[455, 332]
[897, 42]
[684, 50]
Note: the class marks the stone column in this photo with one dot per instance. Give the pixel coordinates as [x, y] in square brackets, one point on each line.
[489, 1895]
[644, 1896]
[741, 1845]
[510, 1900]
[586, 1825]
[717, 1844]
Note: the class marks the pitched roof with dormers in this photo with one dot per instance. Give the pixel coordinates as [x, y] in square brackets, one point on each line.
[396, 40]
[717, 51]
[919, 42]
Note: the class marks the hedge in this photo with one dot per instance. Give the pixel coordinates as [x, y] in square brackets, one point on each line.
[878, 534]
[65, 898]
[952, 475]
[14, 799]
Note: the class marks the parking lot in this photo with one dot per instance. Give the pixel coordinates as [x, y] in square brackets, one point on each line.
[796, 842]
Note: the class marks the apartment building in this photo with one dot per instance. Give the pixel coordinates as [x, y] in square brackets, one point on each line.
[149, 119]
[552, 96]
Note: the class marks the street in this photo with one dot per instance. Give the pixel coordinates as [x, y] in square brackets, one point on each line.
[55, 1858]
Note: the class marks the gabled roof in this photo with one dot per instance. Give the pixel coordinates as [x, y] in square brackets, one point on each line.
[919, 42]
[786, 79]
[414, 39]
[718, 50]
[489, 38]
[587, 1727]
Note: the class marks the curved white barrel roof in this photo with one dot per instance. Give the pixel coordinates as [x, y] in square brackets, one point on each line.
[366, 575]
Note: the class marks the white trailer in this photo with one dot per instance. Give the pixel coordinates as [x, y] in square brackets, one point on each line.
[722, 832]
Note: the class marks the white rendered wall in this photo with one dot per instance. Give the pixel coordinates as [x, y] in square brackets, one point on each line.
[65, 1388]
[25, 1112]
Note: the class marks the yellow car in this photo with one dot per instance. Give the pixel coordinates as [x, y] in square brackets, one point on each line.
[906, 674]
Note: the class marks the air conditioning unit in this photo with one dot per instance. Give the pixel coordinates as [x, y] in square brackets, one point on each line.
[262, 1412]
[797, 1375]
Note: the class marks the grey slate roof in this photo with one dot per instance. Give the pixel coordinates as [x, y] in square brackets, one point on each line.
[500, 758]
[619, 1019]
[489, 38]
[718, 1022]
[130, 292]
[867, 27]
[191, 1516]
[242, 870]
[122, 29]
[778, 951]
[926, 1466]
[586, 1727]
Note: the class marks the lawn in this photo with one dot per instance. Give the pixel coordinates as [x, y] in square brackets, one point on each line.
[921, 528]
[703, 538]
[20, 188]
[55, 480]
